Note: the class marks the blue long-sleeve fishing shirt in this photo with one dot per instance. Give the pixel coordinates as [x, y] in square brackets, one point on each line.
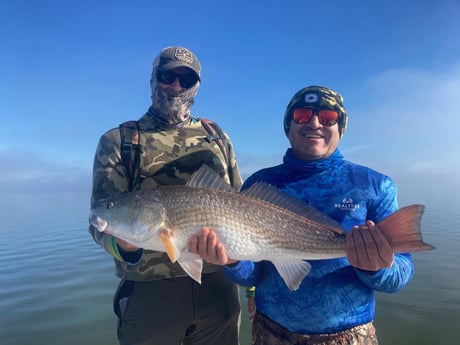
[335, 295]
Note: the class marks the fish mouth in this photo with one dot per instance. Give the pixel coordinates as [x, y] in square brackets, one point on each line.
[99, 223]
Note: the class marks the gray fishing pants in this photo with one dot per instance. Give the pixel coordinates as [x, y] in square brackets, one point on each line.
[178, 311]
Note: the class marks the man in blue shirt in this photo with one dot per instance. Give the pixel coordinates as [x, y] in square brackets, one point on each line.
[335, 303]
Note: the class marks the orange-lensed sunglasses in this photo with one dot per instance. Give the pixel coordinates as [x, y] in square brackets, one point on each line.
[326, 117]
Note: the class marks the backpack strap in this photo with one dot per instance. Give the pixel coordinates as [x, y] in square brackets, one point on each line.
[130, 149]
[216, 134]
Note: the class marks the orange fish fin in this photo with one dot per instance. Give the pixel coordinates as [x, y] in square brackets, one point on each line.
[402, 229]
[169, 245]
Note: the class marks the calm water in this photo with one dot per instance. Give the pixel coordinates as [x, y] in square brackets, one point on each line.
[56, 284]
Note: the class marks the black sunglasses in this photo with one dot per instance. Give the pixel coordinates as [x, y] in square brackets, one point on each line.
[186, 80]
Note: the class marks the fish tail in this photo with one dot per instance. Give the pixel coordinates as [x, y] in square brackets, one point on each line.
[402, 230]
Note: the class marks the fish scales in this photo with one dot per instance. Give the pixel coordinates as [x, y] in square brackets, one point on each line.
[244, 222]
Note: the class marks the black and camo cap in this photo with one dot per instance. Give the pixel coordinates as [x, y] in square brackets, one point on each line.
[172, 57]
[318, 97]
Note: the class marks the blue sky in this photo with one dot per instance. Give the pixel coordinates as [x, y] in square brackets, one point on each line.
[70, 70]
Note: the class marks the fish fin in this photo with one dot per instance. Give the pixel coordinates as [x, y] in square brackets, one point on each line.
[274, 196]
[402, 229]
[169, 246]
[293, 272]
[206, 177]
[192, 264]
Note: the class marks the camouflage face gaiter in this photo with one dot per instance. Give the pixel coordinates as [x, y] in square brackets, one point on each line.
[168, 108]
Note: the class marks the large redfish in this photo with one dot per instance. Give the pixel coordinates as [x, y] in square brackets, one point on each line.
[260, 223]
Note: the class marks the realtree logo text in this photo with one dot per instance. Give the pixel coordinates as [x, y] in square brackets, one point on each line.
[347, 204]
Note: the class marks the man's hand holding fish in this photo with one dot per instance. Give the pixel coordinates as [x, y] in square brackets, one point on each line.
[209, 248]
[367, 248]
[126, 246]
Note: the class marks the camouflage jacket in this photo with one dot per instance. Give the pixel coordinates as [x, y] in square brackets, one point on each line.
[168, 157]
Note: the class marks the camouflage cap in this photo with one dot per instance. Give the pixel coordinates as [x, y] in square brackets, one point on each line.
[317, 96]
[172, 57]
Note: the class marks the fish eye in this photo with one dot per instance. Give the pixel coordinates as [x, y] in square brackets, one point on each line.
[109, 205]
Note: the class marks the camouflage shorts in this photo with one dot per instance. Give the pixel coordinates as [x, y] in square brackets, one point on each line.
[268, 332]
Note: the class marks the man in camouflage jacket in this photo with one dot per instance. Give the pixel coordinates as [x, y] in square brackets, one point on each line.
[156, 302]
